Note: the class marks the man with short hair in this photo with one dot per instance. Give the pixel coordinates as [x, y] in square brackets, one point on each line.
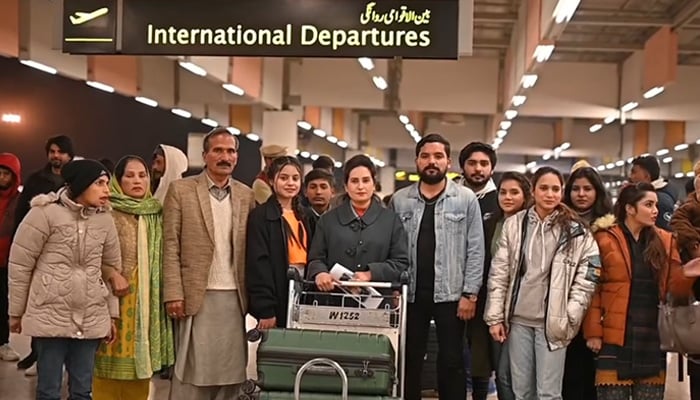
[261, 186]
[10, 180]
[647, 169]
[446, 236]
[59, 151]
[477, 161]
[319, 190]
[204, 232]
[168, 165]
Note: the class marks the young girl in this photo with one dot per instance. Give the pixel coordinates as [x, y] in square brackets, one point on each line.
[641, 266]
[541, 282]
[278, 238]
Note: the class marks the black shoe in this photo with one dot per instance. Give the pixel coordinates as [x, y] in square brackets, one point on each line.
[27, 361]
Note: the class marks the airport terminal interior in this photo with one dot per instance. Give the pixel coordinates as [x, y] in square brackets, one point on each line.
[543, 82]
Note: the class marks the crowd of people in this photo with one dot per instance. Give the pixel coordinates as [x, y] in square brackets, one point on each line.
[118, 273]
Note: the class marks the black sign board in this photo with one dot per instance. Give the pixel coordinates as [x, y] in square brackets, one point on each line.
[90, 26]
[291, 28]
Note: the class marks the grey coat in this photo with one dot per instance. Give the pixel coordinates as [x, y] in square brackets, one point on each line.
[376, 241]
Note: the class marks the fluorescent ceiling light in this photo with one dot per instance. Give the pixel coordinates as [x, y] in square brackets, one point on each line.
[595, 128]
[181, 112]
[629, 160]
[519, 100]
[416, 139]
[305, 154]
[501, 133]
[629, 106]
[210, 122]
[233, 130]
[565, 146]
[193, 68]
[366, 63]
[12, 118]
[252, 136]
[233, 89]
[320, 133]
[510, 114]
[609, 119]
[679, 175]
[495, 146]
[564, 10]
[497, 141]
[601, 168]
[410, 127]
[529, 80]
[655, 91]
[100, 86]
[39, 66]
[662, 152]
[547, 156]
[342, 144]
[681, 147]
[610, 165]
[296, 152]
[338, 164]
[404, 119]
[146, 101]
[505, 125]
[690, 174]
[667, 160]
[543, 52]
[380, 82]
[304, 125]
[314, 157]
[531, 165]
[619, 163]
[332, 139]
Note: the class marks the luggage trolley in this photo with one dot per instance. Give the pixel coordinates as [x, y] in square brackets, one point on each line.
[327, 312]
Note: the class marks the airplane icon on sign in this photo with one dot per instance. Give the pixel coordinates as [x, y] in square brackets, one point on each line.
[83, 17]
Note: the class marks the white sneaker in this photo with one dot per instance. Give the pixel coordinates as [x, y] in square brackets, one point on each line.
[31, 371]
[8, 354]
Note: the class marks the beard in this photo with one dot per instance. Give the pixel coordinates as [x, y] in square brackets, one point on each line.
[432, 175]
[56, 163]
[481, 181]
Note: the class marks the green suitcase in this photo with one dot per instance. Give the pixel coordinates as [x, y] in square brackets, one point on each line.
[368, 361]
[308, 396]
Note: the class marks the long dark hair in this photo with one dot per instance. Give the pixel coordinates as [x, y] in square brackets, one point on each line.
[602, 204]
[654, 252]
[524, 184]
[275, 167]
[565, 216]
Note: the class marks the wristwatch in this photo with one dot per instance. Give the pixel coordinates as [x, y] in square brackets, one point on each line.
[470, 296]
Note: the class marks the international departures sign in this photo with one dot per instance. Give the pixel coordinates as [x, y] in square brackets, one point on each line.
[284, 28]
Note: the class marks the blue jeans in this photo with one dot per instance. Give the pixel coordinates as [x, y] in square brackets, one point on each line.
[536, 372]
[501, 361]
[78, 355]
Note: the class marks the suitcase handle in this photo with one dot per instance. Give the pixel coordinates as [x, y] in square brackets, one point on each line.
[404, 279]
[364, 372]
[316, 362]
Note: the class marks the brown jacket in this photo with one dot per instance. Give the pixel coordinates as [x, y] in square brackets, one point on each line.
[685, 223]
[607, 316]
[188, 240]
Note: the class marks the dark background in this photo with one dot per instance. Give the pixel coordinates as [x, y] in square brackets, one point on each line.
[102, 125]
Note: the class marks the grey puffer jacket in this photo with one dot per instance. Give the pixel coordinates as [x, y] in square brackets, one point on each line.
[55, 266]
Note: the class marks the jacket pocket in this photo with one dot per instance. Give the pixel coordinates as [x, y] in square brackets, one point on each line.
[44, 290]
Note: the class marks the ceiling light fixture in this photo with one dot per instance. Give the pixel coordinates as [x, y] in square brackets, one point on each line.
[380, 82]
[39, 66]
[404, 119]
[332, 139]
[305, 154]
[193, 68]
[410, 127]
[342, 144]
[238, 91]
[629, 106]
[629, 160]
[667, 160]
[181, 112]
[595, 128]
[510, 114]
[505, 125]
[12, 118]
[501, 133]
[518, 100]
[565, 146]
[304, 125]
[314, 157]
[662, 152]
[531, 165]
[610, 165]
[528, 81]
[146, 101]
[620, 163]
[681, 147]
[609, 119]
[210, 122]
[233, 130]
[497, 141]
[690, 174]
[653, 92]
[564, 10]
[366, 63]
[100, 86]
[338, 164]
[547, 156]
[601, 168]
[543, 52]
[679, 175]
[252, 136]
[320, 132]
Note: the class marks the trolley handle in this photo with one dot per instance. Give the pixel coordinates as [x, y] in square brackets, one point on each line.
[293, 275]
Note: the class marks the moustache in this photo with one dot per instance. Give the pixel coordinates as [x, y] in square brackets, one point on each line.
[223, 164]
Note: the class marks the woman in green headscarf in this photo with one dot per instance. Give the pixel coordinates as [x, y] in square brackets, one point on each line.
[144, 342]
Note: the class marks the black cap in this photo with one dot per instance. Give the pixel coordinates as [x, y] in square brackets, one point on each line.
[80, 174]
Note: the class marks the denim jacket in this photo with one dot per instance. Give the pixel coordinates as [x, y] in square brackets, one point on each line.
[459, 239]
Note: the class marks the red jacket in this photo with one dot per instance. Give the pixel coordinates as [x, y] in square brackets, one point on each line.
[8, 203]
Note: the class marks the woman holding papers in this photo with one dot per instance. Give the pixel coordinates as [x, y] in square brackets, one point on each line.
[278, 238]
[359, 234]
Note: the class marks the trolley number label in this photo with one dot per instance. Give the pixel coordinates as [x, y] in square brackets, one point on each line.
[344, 315]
